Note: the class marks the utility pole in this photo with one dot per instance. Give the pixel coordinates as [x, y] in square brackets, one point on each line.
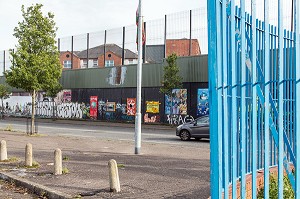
[138, 116]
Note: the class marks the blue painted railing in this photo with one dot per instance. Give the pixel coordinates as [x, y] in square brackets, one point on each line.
[254, 72]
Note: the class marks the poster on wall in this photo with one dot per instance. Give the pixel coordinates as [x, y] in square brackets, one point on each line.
[131, 106]
[93, 106]
[111, 106]
[177, 104]
[202, 102]
[152, 106]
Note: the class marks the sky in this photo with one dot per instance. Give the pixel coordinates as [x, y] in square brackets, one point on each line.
[74, 17]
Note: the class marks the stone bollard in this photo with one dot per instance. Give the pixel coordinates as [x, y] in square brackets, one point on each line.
[57, 162]
[28, 155]
[3, 150]
[114, 181]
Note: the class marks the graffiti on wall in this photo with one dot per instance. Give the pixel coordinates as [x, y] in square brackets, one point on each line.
[202, 102]
[113, 111]
[93, 107]
[177, 103]
[69, 110]
[179, 119]
[152, 107]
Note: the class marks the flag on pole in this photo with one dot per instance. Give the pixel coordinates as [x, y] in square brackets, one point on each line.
[143, 29]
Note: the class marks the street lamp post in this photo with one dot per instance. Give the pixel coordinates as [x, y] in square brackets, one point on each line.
[138, 116]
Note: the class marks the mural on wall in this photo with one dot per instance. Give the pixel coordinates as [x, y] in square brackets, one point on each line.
[131, 106]
[152, 107]
[177, 104]
[202, 102]
[93, 107]
[64, 96]
[151, 119]
[110, 106]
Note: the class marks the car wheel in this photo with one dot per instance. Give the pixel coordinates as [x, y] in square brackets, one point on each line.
[185, 135]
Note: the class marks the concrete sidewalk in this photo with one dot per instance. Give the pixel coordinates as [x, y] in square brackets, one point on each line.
[161, 171]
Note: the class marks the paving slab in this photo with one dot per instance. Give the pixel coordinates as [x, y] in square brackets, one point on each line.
[160, 171]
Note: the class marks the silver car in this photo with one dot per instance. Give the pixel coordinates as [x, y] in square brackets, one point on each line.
[199, 128]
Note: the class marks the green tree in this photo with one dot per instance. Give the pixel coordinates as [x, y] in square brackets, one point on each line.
[4, 94]
[171, 79]
[35, 62]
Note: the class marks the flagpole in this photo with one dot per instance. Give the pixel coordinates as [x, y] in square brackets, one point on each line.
[138, 116]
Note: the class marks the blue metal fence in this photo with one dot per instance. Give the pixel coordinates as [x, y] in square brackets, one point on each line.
[254, 80]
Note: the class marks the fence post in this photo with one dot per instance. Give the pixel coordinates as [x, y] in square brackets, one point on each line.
[87, 49]
[190, 44]
[114, 182]
[123, 46]
[165, 38]
[28, 155]
[104, 48]
[144, 45]
[3, 60]
[57, 162]
[3, 150]
[72, 51]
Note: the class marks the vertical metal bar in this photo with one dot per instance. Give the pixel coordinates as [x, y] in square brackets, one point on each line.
[219, 91]
[216, 187]
[297, 96]
[190, 44]
[267, 91]
[72, 51]
[104, 48]
[280, 101]
[225, 100]
[58, 44]
[254, 99]
[87, 49]
[144, 45]
[165, 38]
[4, 60]
[123, 46]
[234, 97]
[243, 109]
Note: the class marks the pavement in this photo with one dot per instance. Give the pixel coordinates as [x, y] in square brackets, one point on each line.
[160, 171]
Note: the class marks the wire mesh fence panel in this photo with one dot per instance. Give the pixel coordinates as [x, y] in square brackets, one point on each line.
[113, 47]
[96, 48]
[8, 60]
[65, 47]
[130, 44]
[80, 53]
[178, 34]
[199, 28]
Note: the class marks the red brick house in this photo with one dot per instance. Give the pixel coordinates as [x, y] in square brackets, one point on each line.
[113, 57]
[181, 47]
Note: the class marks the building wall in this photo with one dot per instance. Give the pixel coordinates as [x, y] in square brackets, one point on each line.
[181, 47]
[116, 58]
[67, 56]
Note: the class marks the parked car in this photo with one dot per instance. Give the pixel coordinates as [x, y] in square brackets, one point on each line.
[199, 128]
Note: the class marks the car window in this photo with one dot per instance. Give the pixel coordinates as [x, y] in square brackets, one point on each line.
[203, 120]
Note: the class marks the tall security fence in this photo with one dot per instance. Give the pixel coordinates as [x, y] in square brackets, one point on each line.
[254, 85]
[184, 33]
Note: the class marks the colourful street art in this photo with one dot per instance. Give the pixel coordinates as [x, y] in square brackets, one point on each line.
[151, 118]
[131, 106]
[93, 107]
[152, 106]
[177, 103]
[202, 102]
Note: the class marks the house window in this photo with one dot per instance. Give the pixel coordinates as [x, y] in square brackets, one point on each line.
[95, 63]
[130, 61]
[84, 63]
[109, 63]
[67, 64]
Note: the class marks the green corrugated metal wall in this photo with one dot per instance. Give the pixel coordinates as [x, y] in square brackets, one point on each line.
[192, 69]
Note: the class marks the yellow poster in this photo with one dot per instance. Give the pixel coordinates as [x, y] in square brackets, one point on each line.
[152, 107]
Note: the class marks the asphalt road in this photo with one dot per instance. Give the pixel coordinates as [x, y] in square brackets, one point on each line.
[107, 131]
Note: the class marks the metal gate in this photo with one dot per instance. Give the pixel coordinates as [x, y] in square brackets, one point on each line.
[254, 84]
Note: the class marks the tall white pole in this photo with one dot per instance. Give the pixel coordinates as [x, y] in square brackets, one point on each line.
[138, 116]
